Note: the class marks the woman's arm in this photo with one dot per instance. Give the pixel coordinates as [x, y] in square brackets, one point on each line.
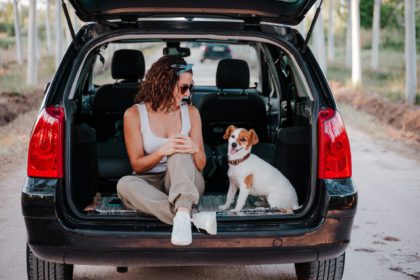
[193, 143]
[134, 143]
[197, 137]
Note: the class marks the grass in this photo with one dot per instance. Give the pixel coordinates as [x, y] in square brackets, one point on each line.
[13, 76]
[14, 140]
[388, 81]
[394, 139]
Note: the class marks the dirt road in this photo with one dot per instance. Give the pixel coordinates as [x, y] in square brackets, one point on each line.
[385, 242]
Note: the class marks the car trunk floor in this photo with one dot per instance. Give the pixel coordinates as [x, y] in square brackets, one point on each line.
[110, 204]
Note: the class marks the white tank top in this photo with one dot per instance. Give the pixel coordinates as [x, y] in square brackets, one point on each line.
[152, 142]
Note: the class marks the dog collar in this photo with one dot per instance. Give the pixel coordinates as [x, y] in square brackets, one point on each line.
[238, 161]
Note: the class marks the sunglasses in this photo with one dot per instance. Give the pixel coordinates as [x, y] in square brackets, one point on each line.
[184, 88]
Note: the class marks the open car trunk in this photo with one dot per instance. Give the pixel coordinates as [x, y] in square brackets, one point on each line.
[277, 104]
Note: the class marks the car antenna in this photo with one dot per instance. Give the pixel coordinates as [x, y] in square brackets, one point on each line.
[311, 29]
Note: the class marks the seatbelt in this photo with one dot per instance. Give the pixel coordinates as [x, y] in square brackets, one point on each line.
[287, 72]
[269, 115]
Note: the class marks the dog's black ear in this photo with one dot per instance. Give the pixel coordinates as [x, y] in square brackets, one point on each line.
[229, 131]
[253, 137]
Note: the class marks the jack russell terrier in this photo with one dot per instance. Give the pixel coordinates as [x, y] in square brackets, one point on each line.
[254, 176]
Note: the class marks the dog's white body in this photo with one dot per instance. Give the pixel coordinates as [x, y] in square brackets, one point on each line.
[254, 176]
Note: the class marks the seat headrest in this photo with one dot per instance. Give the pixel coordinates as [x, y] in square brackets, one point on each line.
[232, 73]
[128, 65]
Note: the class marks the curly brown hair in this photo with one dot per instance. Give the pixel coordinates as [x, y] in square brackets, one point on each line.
[159, 83]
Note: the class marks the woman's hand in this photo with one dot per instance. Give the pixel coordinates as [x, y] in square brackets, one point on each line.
[184, 144]
[169, 148]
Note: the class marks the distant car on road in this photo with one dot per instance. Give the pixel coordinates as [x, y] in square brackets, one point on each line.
[216, 51]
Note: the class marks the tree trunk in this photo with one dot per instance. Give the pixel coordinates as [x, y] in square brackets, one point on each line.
[318, 41]
[17, 32]
[32, 65]
[356, 69]
[331, 49]
[410, 52]
[348, 36]
[58, 34]
[48, 26]
[75, 22]
[68, 34]
[375, 35]
[302, 28]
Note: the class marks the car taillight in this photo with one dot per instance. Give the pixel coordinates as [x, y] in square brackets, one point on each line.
[334, 158]
[45, 155]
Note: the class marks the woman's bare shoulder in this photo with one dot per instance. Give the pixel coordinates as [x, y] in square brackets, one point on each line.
[132, 112]
[194, 114]
[193, 110]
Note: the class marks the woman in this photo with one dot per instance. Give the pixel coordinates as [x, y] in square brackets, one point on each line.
[165, 147]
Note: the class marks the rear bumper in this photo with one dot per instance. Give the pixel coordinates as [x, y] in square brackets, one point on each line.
[123, 250]
[51, 240]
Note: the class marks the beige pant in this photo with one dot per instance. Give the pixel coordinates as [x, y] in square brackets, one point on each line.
[161, 194]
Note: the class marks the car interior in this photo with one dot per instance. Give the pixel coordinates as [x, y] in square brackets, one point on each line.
[253, 88]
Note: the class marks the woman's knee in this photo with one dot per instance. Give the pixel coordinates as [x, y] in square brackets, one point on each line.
[180, 157]
[184, 161]
[123, 184]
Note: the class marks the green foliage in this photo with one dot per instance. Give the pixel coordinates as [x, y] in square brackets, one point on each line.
[418, 28]
[7, 28]
[366, 13]
[392, 13]
[392, 22]
[388, 81]
[7, 42]
[393, 38]
[13, 76]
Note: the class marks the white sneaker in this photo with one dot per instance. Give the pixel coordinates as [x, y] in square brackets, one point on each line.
[181, 231]
[206, 221]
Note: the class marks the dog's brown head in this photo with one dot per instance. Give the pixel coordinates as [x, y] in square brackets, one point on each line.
[240, 140]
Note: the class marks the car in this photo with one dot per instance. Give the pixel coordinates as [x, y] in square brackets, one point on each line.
[275, 86]
[216, 51]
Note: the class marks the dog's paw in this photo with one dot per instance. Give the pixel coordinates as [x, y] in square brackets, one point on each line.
[223, 207]
[235, 210]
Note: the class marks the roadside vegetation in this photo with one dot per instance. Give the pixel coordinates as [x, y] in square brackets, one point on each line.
[388, 81]
[379, 90]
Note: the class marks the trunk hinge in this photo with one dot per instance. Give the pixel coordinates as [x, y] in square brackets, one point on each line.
[73, 35]
[311, 29]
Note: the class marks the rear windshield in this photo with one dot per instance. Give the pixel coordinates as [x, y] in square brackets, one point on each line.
[204, 56]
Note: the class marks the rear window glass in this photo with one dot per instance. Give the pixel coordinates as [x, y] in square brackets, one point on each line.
[204, 56]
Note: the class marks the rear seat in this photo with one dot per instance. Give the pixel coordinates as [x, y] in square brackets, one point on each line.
[109, 105]
[232, 104]
[111, 100]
